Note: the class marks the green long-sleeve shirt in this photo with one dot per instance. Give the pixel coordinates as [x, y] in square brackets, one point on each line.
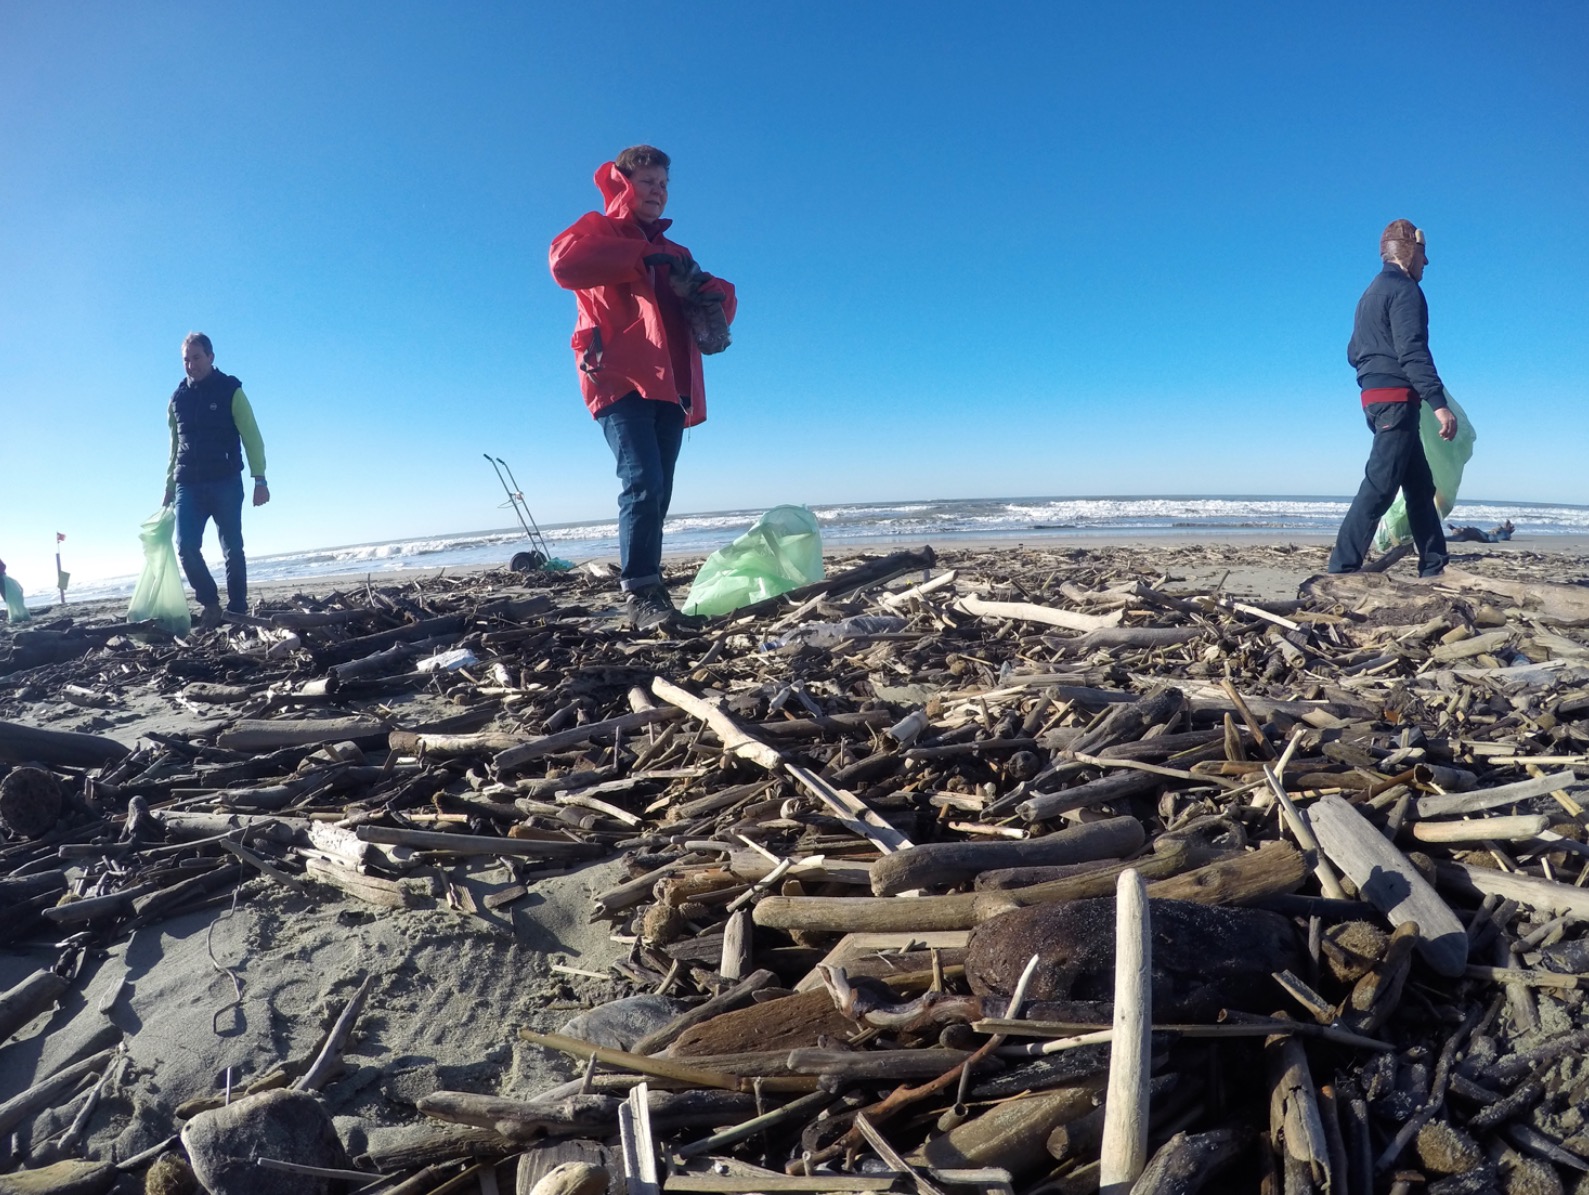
[247, 430]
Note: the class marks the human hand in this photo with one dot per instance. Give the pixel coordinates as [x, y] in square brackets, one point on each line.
[261, 492]
[1448, 424]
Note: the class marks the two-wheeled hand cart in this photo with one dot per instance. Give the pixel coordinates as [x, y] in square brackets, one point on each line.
[539, 554]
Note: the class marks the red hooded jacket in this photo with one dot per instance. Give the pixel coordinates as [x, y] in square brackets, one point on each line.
[630, 333]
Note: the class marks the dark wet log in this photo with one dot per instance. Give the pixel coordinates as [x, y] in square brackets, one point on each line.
[63, 748]
[480, 844]
[946, 864]
[1204, 958]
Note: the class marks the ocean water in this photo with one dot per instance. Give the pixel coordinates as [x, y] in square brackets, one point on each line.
[909, 524]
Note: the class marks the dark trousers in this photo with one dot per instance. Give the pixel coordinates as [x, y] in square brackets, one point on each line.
[197, 503]
[1396, 461]
[644, 436]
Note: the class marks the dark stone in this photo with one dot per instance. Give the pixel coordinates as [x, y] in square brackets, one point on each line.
[1205, 957]
[289, 1126]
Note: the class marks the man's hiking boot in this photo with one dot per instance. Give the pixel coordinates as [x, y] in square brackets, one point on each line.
[649, 608]
[652, 607]
[210, 618]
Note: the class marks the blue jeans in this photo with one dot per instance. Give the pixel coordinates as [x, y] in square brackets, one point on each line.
[644, 436]
[1396, 461]
[197, 503]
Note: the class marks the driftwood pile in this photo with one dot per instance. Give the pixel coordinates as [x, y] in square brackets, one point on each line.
[876, 831]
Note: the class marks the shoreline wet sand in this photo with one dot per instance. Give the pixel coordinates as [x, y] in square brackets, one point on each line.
[211, 987]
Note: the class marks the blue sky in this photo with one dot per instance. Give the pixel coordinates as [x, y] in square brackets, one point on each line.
[981, 250]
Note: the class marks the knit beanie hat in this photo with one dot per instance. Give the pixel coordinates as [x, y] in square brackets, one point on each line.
[1397, 241]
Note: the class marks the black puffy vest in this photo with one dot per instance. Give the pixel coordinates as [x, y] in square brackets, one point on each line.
[208, 446]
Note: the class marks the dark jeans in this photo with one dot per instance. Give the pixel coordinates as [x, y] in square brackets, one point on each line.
[197, 503]
[644, 436]
[1396, 461]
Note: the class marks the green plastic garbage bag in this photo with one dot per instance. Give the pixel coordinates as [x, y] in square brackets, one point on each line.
[15, 607]
[159, 593]
[781, 551]
[1446, 459]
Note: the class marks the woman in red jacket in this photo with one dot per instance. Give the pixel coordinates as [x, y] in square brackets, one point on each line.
[646, 313]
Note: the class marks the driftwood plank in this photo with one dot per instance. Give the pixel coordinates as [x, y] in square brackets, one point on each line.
[1389, 882]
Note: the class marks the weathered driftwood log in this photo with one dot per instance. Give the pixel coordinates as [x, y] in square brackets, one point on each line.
[46, 1092]
[20, 1004]
[946, 864]
[1011, 1135]
[1031, 612]
[525, 1120]
[1125, 1127]
[1388, 881]
[187, 827]
[446, 746]
[573, 1178]
[254, 735]
[376, 663]
[1113, 637]
[1479, 800]
[1042, 806]
[1565, 900]
[33, 744]
[1274, 868]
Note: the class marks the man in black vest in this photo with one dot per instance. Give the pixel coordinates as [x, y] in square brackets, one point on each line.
[212, 426]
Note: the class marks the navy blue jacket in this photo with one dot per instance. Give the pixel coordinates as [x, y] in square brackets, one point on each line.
[208, 446]
[1390, 338]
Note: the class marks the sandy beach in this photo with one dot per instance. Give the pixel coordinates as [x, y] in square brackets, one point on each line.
[206, 1001]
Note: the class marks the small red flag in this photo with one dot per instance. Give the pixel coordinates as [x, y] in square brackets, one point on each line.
[59, 536]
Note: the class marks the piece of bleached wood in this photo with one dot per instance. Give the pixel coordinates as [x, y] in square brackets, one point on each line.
[1031, 612]
[1387, 880]
[639, 1149]
[1477, 801]
[1125, 1125]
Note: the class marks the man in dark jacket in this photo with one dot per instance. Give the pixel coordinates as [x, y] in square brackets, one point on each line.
[212, 426]
[1390, 351]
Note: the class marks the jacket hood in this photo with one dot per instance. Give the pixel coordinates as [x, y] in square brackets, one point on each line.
[618, 195]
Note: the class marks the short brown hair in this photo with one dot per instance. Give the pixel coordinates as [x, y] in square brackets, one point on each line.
[636, 156]
[1397, 242]
[200, 339]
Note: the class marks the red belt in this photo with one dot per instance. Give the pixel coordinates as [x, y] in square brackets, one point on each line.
[1389, 394]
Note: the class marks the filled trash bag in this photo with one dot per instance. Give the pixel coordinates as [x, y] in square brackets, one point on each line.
[14, 604]
[159, 594]
[781, 551]
[1446, 459]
